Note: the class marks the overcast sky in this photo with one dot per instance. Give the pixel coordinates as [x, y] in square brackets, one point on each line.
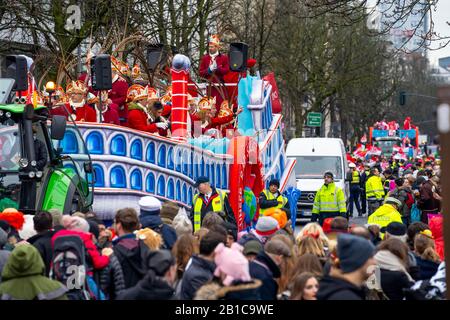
[440, 17]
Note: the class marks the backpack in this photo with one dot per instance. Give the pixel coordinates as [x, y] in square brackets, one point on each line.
[416, 213]
[68, 266]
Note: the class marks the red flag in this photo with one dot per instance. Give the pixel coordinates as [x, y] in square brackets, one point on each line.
[276, 103]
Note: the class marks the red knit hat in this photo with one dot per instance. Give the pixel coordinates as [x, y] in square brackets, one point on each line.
[13, 217]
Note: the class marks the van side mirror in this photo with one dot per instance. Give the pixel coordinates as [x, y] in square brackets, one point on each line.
[58, 129]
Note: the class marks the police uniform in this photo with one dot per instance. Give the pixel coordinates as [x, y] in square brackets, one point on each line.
[355, 191]
[328, 203]
[217, 201]
[385, 214]
[374, 193]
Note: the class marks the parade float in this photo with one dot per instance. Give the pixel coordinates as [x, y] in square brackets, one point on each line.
[106, 167]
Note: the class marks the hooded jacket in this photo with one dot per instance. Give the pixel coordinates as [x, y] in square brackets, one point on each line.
[199, 272]
[155, 223]
[331, 288]
[238, 290]
[265, 269]
[436, 227]
[132, 255]
[151, 287]
[23, 277]
[43, 242]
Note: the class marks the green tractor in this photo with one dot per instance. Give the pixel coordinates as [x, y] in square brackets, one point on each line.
[35, 171]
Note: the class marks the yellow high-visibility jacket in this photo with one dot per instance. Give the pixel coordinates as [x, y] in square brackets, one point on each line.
[383, 216]
[329, 199]
[374, 188]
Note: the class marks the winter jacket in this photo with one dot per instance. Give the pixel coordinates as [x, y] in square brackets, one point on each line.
[331, 288]
[98, 261]
[23, 277]
[132, 255]
[406, 198]
[427, 268]
[393, 283]
[111, 278]
[151, 287]
[4, 254]
[198, 272]
[43, 242]
[208, 207]
[265, 269]
[238, 290]
[436, 227]
[155, 223]
[427, 203]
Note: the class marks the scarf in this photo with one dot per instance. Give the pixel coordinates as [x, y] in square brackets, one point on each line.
[214, 56]
[388, 261]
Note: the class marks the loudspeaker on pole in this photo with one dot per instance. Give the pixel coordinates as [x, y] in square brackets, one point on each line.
[238, 56]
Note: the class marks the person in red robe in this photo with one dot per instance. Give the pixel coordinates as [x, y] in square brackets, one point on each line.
[107, 112]
[213, 67]
[138, 114]
[205, 121]
[76, 109]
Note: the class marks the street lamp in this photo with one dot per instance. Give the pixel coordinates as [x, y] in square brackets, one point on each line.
[50, 87]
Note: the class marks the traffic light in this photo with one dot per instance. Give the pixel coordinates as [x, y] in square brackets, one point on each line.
[402, 98]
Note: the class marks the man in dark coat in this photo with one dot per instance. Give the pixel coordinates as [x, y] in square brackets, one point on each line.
[157, 283]
[131, 252]
[43, 221]
[266, 268]
[40, 150]
[200, 268]
[347, 278]
[150, 208]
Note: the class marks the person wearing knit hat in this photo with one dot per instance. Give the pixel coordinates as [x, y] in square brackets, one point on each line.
[150, 208]
[351, 265]
[386, 214]
[232, 268]
[266, 227]
[272, 197]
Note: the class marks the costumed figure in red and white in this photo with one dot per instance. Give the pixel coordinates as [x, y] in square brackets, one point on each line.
[76, 109]
[205, 121]
[106, 112]
[139, 117]
[119, 89]
[214, 66]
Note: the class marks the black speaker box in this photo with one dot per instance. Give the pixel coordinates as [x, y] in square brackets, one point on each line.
[101, 76]
[238, 56]
[17, 69]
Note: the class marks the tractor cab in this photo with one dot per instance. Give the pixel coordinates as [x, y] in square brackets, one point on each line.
[37, 171]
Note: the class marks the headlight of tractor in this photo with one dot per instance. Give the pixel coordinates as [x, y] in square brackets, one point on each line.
[1, 113]
[31, 174]
[23, 162]
[39, 174]
[8, 114]
[33, 163]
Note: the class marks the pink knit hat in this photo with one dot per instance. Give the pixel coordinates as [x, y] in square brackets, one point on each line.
[232, 262]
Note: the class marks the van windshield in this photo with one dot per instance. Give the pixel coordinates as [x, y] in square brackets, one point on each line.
[313, 167]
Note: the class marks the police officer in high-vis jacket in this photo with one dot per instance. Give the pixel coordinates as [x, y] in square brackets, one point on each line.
[210, 199]
[329, 201]
[272, 197]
